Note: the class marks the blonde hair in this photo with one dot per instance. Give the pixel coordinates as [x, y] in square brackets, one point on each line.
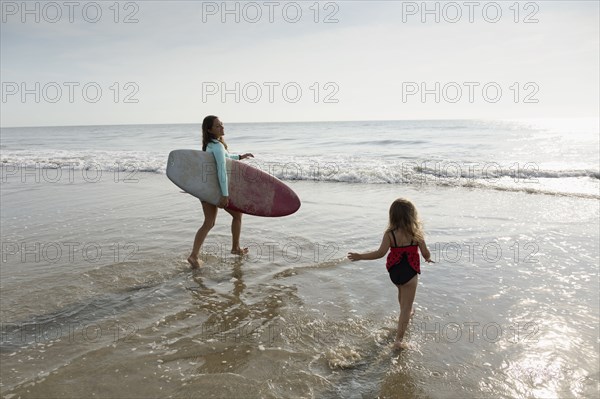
[404, 216]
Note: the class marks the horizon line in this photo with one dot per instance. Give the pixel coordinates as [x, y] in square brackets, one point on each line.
[317, 121]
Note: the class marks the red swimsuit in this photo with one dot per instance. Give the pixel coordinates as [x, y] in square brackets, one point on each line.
[403, 263]
[412, 253]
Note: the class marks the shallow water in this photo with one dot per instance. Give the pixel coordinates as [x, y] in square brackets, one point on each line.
[510, 309]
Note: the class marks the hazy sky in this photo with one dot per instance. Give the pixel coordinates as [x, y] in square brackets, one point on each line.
[139, 62]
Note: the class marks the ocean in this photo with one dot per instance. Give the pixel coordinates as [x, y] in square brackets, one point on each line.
[97, 299]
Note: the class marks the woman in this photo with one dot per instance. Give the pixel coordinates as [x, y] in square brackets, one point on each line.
[212, 141]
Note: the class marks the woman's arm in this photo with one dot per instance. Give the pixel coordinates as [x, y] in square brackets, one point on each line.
[219, 153]
[239, 157]
[380, 253]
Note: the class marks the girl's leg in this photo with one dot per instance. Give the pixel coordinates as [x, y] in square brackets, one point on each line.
[236, 230]
[406, 297]
[412, 310]
[210, 215]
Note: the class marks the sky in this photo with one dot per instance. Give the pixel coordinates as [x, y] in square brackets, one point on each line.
[153, 62]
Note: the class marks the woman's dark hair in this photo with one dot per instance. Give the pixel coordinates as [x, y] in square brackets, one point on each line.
[206, 136]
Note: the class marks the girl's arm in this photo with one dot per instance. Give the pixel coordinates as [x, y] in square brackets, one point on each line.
[425, 252]
[380, 253]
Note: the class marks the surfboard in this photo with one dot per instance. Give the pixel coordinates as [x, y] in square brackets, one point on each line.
[251, 190]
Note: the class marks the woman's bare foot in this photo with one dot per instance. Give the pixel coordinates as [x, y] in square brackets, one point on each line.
[194, 262]
[240, 251]
[400, 345]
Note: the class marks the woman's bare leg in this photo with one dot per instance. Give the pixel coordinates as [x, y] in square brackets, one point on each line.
[236, 231]
[210, 215]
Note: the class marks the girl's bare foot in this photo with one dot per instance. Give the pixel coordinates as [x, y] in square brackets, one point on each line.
[193, 262]
[400, 345]
[240, 251]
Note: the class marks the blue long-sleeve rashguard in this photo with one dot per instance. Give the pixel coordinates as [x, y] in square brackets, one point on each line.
[220, 153]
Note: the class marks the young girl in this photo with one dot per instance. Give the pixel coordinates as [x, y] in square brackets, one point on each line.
[404, 237]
